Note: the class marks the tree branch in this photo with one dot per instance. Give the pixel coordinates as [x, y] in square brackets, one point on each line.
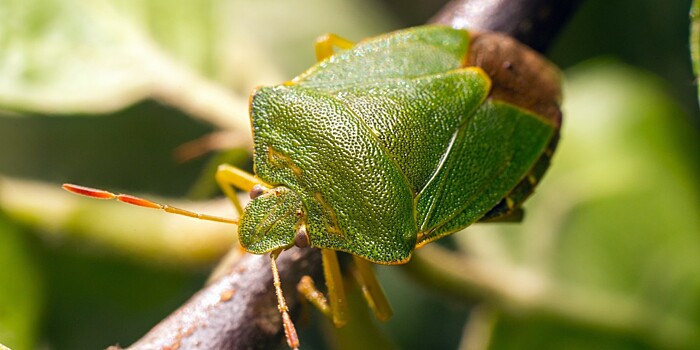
[532, 22]
[238, 310]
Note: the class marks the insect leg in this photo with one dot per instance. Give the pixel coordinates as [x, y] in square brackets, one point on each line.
[335, 307]
[229, 177]
[334, 283]
[325, 44]
[308, 289]
[371, 289]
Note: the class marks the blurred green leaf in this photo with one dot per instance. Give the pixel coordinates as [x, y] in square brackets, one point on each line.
[95, 299]
[611, 236]
[73, 57]
[21, 297]
[70, 56]
[245, 44]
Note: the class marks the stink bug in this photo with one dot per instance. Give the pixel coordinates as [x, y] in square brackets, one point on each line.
[386, 145]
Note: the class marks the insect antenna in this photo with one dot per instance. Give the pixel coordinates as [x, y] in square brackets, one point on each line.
[129, 199]
[289, 331]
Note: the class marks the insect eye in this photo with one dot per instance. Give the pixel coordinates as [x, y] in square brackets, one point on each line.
[301, 240]
[256, 191]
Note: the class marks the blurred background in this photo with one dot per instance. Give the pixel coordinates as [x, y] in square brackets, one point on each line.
[112, 94]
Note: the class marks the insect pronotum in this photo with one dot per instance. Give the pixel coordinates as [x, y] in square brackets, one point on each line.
[386, 145]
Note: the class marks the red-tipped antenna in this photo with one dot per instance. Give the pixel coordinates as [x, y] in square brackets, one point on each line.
[102, 194]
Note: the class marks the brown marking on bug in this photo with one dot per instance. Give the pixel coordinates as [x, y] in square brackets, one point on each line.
[281, 160]
[520, 75]
[332, 225]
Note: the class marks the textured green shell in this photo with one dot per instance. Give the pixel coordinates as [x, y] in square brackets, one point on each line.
[386, 146]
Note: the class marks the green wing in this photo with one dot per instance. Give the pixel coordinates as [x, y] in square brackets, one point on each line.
[415, 119]
[408, 88]
[490, 154]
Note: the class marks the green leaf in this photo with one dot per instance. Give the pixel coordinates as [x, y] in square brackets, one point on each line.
[76, 57]
[71, 56]
[610, 239]
[68, 56]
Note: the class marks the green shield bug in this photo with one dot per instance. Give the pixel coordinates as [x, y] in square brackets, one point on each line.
[389, 144]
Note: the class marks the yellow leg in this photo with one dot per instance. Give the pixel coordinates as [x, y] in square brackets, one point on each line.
[371, 289]
[334, 283]
[326, 43]
[229, 177]
[335, 307]
[307, 288]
